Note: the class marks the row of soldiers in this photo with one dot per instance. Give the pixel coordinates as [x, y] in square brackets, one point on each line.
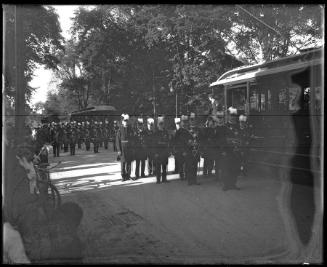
[222, 145]
[65, 136]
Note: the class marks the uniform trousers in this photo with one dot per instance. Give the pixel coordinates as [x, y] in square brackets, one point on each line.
[125, 169]
[56, 149]
[105, 142]
[151, 165]
[230, 165]
[72, 148]
[181, 165]
[140, 157]
[208, 162]
[114, 144]
[191, 169]
[87, 144]
[161, 170]
[96, 146]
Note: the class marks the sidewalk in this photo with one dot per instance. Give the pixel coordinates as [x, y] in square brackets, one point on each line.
[143, 222]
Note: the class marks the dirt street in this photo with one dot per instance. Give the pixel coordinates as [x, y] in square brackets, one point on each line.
[144, 222]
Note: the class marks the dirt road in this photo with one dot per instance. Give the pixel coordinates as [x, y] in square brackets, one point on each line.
[143, 222]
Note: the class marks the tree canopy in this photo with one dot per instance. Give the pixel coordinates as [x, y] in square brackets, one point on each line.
[42, 41]
[140, 57]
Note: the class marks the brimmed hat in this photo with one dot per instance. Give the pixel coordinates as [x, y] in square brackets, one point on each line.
[161, 119]
[140, 120]
[232, 111]
[150, 120]
[192, 115]
[125, 117]
[242, 118]
[177, 120]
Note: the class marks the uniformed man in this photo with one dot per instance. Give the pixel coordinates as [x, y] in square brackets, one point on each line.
[72, 137]
[219, 143]
[193, 153]
[79, 135]
[42, 138]
[106, 134]
[232, 161]
[181, 146]
[125, 147]
[100, 134]
[245, 135]
[207, 146]
[87, 136]
[65, 130]
[161, 144]
[178, 126]
[56, 138]
[95, 137]
[114, 135]
[140, 148]
[150, 148]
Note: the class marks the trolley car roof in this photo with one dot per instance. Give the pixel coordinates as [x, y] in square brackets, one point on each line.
[249, 73]
[95, 110]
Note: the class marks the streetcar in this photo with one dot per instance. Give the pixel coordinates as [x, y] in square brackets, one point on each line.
[283, 102]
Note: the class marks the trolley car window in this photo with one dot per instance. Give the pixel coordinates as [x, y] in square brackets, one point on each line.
[236, 97]
[254, 99]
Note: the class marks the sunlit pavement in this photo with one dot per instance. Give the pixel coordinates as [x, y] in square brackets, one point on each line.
[87, 170]
[144, 222]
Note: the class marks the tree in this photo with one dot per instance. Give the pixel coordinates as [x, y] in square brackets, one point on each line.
[42, 42]
[266, 32]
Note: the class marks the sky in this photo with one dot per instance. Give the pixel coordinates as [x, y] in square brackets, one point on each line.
[43, 79]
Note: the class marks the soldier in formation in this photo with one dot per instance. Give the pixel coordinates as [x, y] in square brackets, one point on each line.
[161, 154]
[124, 142]
[87, 136]
[150, 147]
[72, 138]
[245, 132]
[181, 146]
[140, 148]
[193, 152]
[106, 134]
[56, 135]
[95, 137]
[114, 134]
[207, 144]
[232, 161]
[219, 143]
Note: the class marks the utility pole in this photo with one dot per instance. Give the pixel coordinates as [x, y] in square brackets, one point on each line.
[19, 74]
[154, 96]
[176, 104]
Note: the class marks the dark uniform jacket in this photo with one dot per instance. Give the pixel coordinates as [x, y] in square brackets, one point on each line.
[162, 146]
[181, 140]
[57, 135]
[194, 143]
[208, 142]
[220, 139]
[125, 142]
[149, 142]
[233, 138]
[139, 143]
[72, 135]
